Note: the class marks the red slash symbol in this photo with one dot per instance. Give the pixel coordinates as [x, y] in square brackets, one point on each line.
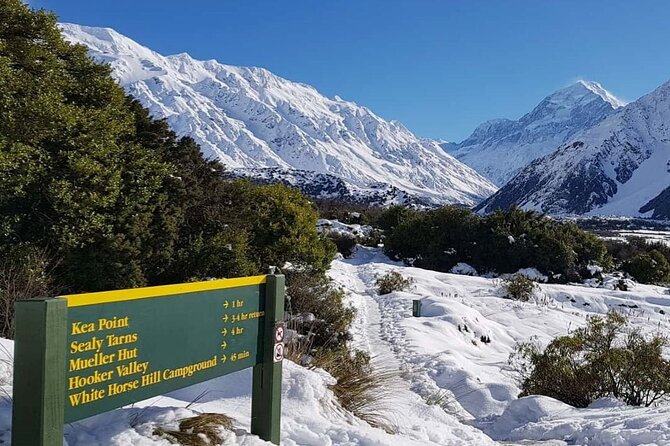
[279, 333]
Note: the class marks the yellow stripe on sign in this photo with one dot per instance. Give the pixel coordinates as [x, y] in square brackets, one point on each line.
[104, 297]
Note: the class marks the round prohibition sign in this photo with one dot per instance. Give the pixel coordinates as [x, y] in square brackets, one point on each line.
[278, 355]
[279, 333]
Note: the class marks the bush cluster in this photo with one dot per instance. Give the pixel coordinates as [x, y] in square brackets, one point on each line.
[393, 281]
[604, 359]
[502, 242]
[345, 243]
[519, 288]
[316, 312]
[97, 195]
[647, 262]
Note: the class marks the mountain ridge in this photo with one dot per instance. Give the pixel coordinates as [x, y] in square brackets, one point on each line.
[249, 118]
[501, 148]
[619, 167]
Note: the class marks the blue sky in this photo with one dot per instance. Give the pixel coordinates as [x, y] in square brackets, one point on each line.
[441, 67]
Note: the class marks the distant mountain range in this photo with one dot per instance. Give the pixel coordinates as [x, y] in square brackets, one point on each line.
[261, 125]
[580, 151]
[620, 166]
[500, 148]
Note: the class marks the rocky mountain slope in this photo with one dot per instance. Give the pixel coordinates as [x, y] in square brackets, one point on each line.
[619, 167]
[500, 148]
[250, 118]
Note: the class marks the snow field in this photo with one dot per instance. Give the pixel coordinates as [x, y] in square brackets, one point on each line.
[435, 356]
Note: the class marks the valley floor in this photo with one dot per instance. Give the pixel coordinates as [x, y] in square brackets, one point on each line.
[451, 389]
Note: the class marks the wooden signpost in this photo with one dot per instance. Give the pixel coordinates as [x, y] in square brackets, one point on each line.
[81, 355]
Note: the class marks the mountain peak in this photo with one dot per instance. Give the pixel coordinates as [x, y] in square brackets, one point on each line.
[598, 89]
[579, 94]
[500, 148]
[617, 167]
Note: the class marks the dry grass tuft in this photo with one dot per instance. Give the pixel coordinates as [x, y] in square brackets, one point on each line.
[362, 389]
[201, 430]
[441, 398]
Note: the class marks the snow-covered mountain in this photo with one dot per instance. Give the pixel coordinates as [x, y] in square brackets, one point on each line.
[250, 118]
[500, 148]
[619, 167]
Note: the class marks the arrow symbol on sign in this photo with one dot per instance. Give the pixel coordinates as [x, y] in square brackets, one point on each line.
[224, 331]
[225, 304]
[223, 359]
[225, 318]
[224, 345]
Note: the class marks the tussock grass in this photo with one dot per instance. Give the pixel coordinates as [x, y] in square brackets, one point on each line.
[201, 430]
[441, 398]
[361, 389]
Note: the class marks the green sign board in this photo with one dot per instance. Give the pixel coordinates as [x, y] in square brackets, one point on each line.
[81, 355]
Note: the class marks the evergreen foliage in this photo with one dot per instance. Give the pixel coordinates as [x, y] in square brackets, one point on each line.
[647, 262]
[74, 178]
[519, 288]
[605, 358]
[502, 242]
[393, 281]
[648, 267]
[317, 313]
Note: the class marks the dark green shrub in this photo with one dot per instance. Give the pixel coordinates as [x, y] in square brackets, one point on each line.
[345, 243]
[647, 262]
[605, 358]
[502, 242]
[519, 288]
[317, 312]
[393, 281]
[648, 267]
[392, 217]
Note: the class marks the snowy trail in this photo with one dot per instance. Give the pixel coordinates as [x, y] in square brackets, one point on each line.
[440, 358]
[406, 410]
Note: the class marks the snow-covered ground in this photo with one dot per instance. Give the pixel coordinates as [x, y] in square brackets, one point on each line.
[651, 236]
[310, 416]
[436, 358]
[344, 229]
[451, 388]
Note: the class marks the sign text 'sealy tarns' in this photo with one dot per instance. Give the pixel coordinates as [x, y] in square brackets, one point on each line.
[119, 347]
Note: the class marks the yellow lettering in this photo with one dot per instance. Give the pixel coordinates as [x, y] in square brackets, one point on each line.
[76, 382]
[113, 323]
[82, 328]
[114, 340]
[85, 397]
[97, 360]
[115, 388]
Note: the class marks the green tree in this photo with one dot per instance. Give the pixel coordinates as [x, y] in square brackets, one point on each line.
[648, 267]
[74, 179]
[502, 242]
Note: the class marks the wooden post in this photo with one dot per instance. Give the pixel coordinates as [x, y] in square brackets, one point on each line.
[39, 372]
[266, 391]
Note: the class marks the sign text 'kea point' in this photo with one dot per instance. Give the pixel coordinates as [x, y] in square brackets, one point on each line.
[81, 355]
